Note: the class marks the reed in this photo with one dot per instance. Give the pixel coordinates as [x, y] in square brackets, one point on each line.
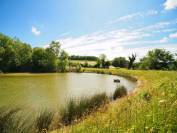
[43, 121]
[75, 110]
[119, 92]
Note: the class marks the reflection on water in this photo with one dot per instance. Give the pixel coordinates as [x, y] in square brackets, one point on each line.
[53, 90]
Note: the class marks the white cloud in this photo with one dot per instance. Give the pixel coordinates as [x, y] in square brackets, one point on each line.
[136, 15]
[157, 26]
[112, 43]
[35, 31]
[173, 35]
[170, 4]
[130, 16]
[121, 42]
[163, 40]
[152, 12]
[126, 18]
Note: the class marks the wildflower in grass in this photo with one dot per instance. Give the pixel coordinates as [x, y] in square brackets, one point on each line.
[146, 127]
[133, 127]
[163, 93]
[175, 103]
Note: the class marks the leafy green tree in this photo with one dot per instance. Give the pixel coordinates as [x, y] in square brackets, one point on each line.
[2, 52]
[54, 46]
[102, 58]
[23, 57]
[132, 59]
[102, 63]
[120, 62]
[158, 59]
[107, 64]
[78, 67]
[63, 62]
[9, 61]
[98, 63]
[39, 60]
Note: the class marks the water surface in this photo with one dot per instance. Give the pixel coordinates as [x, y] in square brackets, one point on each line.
[53, 90]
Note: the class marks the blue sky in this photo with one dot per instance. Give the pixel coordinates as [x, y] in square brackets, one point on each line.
[92, 27]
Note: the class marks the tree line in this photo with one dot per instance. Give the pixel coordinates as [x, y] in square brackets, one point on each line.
[17, 56]
[157, 59]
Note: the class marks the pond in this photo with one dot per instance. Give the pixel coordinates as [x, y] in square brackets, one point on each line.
[52, 90]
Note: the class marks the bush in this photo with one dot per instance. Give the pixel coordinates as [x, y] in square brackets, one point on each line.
[78, 67]
[119, 92]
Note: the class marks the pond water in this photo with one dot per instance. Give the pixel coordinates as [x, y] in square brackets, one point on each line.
[54, 89]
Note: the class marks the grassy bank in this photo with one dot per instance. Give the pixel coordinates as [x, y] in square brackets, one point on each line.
[152, 107]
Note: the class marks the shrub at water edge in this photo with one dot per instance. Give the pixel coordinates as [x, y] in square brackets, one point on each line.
[77, 109]
[119, 92]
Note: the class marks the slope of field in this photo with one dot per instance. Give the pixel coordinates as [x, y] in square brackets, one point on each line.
[152, 107]
[83, 62]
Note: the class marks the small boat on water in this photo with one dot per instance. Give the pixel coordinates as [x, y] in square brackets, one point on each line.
[116, 80]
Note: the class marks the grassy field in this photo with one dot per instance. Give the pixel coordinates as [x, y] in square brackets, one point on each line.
[151, 108]
[83, 62]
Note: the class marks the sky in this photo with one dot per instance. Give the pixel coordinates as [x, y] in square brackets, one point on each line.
[93, 27]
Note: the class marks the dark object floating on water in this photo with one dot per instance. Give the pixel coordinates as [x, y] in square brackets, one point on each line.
[116, 80]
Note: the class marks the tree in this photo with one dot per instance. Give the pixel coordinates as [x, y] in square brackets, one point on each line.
[45, 60]
[98, 63]
[54, 46]
[102, 63]
[52, 55]
[119, 62]
[158, 59]
[78, 67]
[39, 60]
[107, 64]
[102, 58]
[7, 53]
[14, 54]
[132, 59]
[63, 62]
[23, 55]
